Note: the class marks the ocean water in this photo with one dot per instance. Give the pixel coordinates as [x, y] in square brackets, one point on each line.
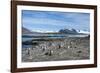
[26, 46]
[29, 37]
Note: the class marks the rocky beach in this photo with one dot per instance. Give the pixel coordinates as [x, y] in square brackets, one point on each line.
[56, 49]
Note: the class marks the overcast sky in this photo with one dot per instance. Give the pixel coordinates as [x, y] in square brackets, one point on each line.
[54, 21]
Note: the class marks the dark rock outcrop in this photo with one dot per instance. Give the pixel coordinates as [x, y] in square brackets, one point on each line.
[68, 31]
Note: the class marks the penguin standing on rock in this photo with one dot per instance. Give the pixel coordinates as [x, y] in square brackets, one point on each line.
[49, 53]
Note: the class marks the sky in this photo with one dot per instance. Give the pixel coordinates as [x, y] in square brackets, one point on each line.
[52, 21]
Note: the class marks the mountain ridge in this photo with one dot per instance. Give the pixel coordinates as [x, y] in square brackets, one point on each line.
[61, 31]
[27, 31]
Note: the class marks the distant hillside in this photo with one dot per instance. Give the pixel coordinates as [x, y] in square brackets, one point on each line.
[27, 31]
[68, 31]
[61, 31]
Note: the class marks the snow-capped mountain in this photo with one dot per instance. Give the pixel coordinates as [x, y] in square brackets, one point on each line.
[68, 31]
[83, 31]
[65, 31]
[73, 31]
